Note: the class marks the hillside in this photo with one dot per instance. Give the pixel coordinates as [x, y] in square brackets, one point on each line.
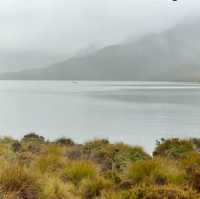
[20, 60]
[172, 55]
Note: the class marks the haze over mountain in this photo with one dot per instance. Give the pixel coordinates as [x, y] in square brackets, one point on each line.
[172, 55]
[12, 61]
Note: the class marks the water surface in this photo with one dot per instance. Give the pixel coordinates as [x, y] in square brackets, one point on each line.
[133, 112]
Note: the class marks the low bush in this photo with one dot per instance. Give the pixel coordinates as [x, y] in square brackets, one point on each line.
[173, 148]
[33, 137]
[65, 142]
[112, 156]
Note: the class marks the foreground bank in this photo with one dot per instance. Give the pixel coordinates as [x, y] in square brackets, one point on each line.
[34, 168]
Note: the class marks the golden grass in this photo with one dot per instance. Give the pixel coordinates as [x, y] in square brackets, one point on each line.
[33, 168]
[17, 180]
[75, 171]
[156, 171]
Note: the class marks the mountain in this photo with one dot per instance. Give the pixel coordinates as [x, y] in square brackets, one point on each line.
[172, 55]
[92, 48]
[17, 61]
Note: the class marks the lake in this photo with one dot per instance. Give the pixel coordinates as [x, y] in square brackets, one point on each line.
[137, 113]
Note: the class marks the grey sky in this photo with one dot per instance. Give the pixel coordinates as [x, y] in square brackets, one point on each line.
[68, 25]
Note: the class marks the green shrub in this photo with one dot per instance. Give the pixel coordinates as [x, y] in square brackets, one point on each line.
[64, 142]
[173, 148]
[94, 145]
[113, 156]
[6, 151]
[33, 137]
[124, 154]
[7, 140]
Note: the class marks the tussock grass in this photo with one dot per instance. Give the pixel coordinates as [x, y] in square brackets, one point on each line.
[76, 171]
[17, 180]
[162, 192]
[55, 188]
[156, 171]
[33, 168]
[92, 187]
[49, 163]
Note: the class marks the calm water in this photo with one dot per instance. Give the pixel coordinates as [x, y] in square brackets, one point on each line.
[134, 112]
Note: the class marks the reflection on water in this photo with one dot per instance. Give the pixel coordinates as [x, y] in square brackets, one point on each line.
[133, 112]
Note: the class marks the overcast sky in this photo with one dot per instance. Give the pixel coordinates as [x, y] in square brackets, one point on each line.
[68, 25]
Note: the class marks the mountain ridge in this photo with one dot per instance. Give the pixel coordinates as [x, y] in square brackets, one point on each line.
[172, 55]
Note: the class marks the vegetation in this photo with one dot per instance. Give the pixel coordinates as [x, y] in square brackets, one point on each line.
[35, 168]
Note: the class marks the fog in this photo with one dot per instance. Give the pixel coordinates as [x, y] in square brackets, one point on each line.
[69, 25]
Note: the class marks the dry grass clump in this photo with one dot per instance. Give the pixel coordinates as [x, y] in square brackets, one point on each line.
[55, 188]
[92, 187]
[17, 180]
[113, 194]
[53, 149]
[51, 160]
[76, 171]
[162, 192]
[156, 171]
[49, 163]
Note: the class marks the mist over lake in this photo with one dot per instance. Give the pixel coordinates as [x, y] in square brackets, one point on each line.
[134, 112]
